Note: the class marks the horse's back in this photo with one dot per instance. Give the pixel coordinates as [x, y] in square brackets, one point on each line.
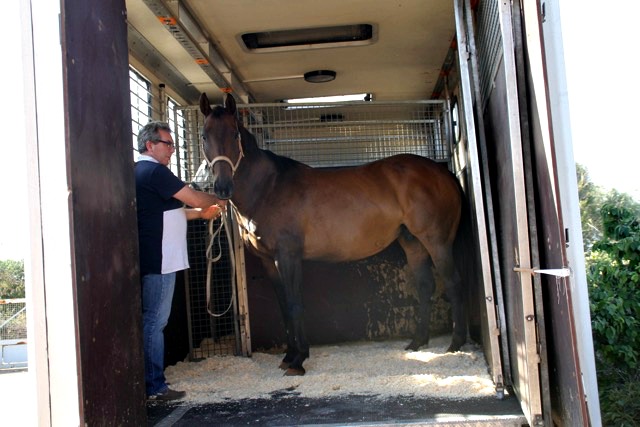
[354, 212]
[396, 182]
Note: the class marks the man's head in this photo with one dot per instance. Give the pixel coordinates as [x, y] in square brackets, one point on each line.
[154, 139]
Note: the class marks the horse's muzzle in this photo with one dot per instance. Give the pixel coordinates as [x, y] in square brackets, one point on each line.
[223, 190]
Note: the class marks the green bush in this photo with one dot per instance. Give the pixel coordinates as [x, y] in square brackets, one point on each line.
[11, 279]
[613, 275]
[619, 390]
[614, 292]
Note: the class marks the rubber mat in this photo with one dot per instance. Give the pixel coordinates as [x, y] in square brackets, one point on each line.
[349, 410]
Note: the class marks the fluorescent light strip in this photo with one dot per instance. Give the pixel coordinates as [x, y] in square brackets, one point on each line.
[337, 98]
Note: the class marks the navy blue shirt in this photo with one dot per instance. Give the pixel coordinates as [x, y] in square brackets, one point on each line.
[158, 215]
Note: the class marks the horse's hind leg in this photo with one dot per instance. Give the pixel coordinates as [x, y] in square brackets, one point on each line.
[422, 269]
[424, 263]
[447, 273]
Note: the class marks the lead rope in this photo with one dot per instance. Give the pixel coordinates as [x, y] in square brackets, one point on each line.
[223, 223]
[211, 258]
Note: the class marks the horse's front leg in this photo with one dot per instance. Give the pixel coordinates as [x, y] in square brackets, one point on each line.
[289, 265]
[281, 296]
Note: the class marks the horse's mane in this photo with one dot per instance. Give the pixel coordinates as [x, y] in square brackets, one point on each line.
[283, 163]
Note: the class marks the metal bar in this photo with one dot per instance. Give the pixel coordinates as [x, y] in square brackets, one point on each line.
[189, 314]
[317, 121]
[141, 48]
[366, 138]
[241, 287]
[13, 317]
[528, 366]
[292, 106]
[476, 181]
[204, 53]
[498, 296]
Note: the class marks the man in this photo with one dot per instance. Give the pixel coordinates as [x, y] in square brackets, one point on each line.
[162, 234]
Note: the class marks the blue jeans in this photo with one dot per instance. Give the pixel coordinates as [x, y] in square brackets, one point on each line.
[157, 294]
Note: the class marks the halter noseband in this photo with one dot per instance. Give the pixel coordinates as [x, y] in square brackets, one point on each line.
[216, 159]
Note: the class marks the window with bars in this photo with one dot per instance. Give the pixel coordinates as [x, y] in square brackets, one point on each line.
[142, 113]
[176, 121]
[141, 107]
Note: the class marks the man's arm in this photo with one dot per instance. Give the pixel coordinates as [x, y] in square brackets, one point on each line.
[204, 205]
[209, 213]
[197, 199]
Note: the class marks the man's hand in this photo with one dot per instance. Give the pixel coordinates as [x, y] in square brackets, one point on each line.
[211, 212]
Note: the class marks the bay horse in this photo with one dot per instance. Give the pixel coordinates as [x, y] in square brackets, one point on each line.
[293, 212]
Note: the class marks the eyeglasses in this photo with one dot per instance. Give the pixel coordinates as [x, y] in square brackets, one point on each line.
[169, 144]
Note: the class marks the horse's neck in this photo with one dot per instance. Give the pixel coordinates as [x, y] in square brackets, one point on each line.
[254, 178]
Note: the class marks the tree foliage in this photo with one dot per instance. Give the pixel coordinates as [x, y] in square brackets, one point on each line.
[11, 279]
[611, 231]
[614, 287]
[591, 199]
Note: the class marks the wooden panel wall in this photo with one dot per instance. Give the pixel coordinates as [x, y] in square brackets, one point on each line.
[103, 229]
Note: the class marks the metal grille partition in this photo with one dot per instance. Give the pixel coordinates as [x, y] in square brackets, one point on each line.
[212, 306]
[489, 44]
[343, 134]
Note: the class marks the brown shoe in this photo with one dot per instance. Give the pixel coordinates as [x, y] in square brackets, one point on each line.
[167, 395]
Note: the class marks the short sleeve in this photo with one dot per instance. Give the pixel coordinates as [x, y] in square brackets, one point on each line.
[167, 184]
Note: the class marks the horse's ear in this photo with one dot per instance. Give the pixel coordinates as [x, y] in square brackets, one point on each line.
[230, 104]
[205, 106]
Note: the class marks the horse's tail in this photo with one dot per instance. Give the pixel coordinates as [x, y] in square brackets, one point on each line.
[466, 259]
[465, 229]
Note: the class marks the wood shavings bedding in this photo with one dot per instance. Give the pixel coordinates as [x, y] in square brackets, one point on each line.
[380, 369]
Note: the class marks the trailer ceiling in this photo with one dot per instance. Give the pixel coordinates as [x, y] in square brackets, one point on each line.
[401, 61]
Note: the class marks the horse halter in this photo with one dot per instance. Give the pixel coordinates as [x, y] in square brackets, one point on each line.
[234, 166]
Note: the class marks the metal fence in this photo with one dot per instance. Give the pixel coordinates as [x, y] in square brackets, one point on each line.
[13, 333]
[211, 296]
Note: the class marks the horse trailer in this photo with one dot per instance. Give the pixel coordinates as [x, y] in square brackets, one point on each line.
[475, 85]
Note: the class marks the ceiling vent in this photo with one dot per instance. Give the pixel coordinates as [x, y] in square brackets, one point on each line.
[309, 38]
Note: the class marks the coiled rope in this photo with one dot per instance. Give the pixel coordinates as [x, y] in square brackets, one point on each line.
[216, 236]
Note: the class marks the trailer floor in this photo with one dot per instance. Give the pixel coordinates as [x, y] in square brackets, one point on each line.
[343, 411]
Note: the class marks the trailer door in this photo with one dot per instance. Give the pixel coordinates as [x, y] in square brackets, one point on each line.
[497, 111]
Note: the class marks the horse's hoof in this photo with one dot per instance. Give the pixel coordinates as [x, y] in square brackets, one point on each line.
[414, 345]
[292, 372]
[284, 365]
[411, 347]
[455, 346]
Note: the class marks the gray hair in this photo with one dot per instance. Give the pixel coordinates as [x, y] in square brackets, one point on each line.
[150, 132]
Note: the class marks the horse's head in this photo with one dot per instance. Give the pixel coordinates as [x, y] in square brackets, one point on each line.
[221, 144]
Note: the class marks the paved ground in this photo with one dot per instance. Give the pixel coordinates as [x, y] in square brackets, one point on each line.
[16, 399]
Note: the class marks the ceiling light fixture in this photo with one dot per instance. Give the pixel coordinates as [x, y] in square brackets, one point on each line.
[330, 99]
[309, 38]
[320, 76]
